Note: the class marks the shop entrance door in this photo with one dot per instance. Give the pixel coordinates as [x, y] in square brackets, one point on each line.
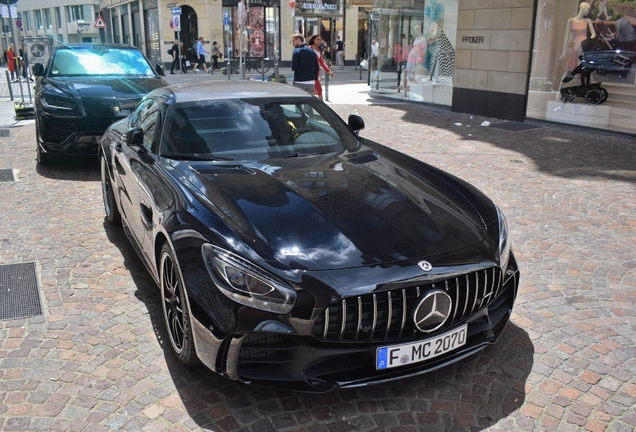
[327, 27]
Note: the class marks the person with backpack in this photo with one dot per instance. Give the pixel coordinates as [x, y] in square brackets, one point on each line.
[174, 52]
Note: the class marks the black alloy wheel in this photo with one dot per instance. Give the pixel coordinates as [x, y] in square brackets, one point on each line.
[110, 205]
[175, 308]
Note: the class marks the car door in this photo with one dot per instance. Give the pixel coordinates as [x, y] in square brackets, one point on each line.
[127, 160]
[154, 195]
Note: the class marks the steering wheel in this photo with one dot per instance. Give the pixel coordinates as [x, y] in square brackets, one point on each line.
[296, 133]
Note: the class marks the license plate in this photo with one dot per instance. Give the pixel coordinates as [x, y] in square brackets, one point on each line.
[405, 354]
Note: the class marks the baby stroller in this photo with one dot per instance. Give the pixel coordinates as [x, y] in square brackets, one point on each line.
[603, 62]
[600, 55]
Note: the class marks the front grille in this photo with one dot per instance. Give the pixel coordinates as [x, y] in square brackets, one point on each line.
[388, 315]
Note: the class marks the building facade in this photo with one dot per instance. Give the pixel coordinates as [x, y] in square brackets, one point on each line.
[559, 60]
[564, 61]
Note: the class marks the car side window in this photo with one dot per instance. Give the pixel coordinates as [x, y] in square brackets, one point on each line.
[145, 118]
[136, 117]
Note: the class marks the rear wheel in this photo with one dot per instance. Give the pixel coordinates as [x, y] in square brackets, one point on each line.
[175, 308]
[110, 205]
[594, 97]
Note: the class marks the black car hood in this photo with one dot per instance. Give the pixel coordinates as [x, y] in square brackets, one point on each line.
[327, 212]
[98, 95]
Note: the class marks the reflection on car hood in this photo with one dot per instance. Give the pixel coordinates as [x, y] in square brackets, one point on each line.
[108, 87]
[328, 212]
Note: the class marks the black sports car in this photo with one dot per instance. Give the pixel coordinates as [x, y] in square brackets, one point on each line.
[292, 253]
[82, 90]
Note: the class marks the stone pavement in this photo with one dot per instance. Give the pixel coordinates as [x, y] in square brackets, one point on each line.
[98, 360]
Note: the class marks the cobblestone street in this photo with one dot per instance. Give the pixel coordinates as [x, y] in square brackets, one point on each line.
[97, 358]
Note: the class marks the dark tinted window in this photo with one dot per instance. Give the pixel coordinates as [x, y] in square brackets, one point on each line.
[253, 129]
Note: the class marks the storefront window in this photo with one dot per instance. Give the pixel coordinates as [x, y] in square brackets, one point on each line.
[415, 50]
[259, 32]
[582, 64]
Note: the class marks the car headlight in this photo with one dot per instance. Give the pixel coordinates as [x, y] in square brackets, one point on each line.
[246, 283]
[504, 239]
[53, 103]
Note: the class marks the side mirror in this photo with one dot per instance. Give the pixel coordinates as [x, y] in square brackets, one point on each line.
[37, 69]
[160, 70]
[134, 137]
[356, 123]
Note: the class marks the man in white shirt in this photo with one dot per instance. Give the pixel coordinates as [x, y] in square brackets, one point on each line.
[375, 51]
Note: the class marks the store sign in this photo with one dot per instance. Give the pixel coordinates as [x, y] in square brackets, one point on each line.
[319, 7]
[473, 39]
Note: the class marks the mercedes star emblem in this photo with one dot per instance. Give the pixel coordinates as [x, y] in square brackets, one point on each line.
[425, 265]
[432, 311]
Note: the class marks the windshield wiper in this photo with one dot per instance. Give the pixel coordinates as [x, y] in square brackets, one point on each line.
[298, 154]
[194, 156]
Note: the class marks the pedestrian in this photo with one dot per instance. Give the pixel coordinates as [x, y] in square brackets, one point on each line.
[216, 53]
[22, 61]
[11, 59]
[375, 52]
[200, 57]
[314, 42]
[339, 53]
[304, 64]
[184, 59]
[174, 51]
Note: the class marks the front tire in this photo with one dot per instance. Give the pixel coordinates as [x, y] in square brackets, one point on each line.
[110, 205]
[175, 308]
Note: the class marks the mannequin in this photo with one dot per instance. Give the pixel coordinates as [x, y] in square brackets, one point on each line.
[575, 33]
[417, 53]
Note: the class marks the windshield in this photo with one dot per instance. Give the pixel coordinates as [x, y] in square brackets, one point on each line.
[253, 129]
[100, 61]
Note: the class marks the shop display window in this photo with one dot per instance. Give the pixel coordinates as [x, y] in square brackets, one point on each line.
[415, 50]
[582, 65]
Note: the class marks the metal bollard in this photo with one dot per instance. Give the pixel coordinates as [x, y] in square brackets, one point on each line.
[228, 69]
[326, 86]
[262, 71]
[357, 63]
[276, 77]
[9, 85]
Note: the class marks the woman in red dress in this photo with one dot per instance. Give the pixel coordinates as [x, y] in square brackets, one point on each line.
[314, 42]
[11, 62]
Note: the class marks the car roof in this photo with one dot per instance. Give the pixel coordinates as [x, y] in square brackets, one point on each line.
[94, 45]
[214, 90]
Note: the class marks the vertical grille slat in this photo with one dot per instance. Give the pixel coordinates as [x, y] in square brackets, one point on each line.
[390, 315]
[386, 315]
[499, 283]
[456, 302]
[344, 318]
[467, 296]
[375, 315]
[403, 312]
[474, 307]
[359, 326]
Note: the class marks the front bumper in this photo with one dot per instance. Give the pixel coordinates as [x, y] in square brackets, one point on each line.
[280, 359]
[72, 135]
